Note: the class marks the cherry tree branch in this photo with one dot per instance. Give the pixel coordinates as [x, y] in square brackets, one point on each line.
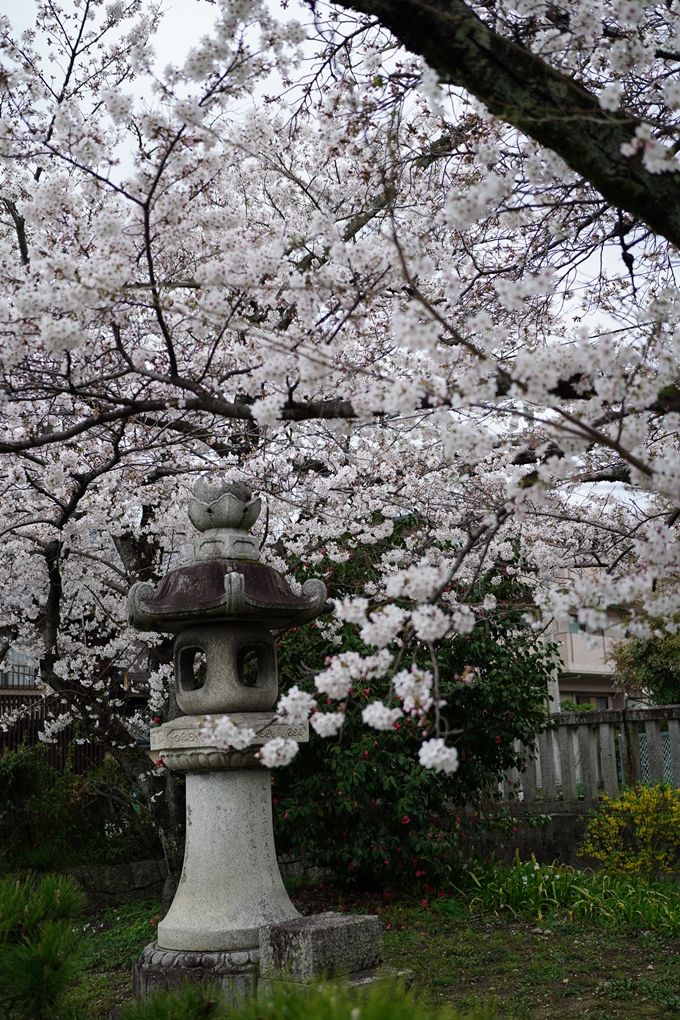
[519, 87]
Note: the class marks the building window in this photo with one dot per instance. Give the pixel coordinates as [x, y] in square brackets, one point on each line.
[602, 704]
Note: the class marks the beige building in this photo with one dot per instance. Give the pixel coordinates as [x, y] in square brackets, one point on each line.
[586, 673]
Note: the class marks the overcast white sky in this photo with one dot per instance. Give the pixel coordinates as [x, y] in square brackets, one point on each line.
[184, 23]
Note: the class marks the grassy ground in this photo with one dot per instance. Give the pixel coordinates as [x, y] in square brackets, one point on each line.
[525, 971]
[113, 939]
[521, 970]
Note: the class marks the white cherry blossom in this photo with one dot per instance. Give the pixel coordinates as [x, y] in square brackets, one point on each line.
[400, 318]
[430, 623]
[327, 724]
[295, 706]
[379, 716]
[414, 688]
[278, 752]
[436, 755]
[224, 732]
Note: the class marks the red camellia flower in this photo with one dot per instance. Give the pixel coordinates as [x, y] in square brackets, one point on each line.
[498, 740]
[405, 820]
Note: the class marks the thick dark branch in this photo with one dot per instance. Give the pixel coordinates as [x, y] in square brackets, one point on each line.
[528, 456]
[53, 603]
[291, 411]
[20, 227]
[355, 224]
[522, 89]
[617, 473]
[667, 400]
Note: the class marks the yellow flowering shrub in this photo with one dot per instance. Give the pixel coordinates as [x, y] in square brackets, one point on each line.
[637, 833]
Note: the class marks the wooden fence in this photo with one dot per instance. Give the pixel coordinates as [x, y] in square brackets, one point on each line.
[25, 730]
[584, 754]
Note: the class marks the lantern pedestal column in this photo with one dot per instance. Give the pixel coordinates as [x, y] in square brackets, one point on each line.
[230, 885]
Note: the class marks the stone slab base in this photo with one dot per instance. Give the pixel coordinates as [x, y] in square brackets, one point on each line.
[295, 952]
[323, 945]
[166, 969]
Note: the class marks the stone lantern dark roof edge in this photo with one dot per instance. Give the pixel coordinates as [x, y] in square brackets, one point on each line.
[221, 590]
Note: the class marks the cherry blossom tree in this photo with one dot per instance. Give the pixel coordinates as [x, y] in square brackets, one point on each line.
[369, 285]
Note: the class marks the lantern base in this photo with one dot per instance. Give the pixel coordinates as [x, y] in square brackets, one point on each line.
[236, 974]
[160, 969]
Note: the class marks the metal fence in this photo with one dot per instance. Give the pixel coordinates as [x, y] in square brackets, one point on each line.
[584, 754]
[16, 671]
[18, 675]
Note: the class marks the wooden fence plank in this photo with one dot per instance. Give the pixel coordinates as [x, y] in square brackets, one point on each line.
[654, 752]
[610, 772]
[587, 743]
[529, 776]
[567, 762]
[631, 750]
[674, 738]
[545, 748]
[577, 736]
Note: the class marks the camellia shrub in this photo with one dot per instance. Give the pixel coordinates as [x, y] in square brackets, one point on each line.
[637, 833]
[360, 803]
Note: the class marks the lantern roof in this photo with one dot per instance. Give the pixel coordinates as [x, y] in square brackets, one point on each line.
[226, 581]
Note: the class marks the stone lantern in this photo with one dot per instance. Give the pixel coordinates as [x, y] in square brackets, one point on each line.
[223, 608]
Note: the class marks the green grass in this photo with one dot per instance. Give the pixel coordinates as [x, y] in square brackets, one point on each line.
[117, 936]
[470, 960]
[112, 939]
[380, 1002]
[526, 970]
[532, 891]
